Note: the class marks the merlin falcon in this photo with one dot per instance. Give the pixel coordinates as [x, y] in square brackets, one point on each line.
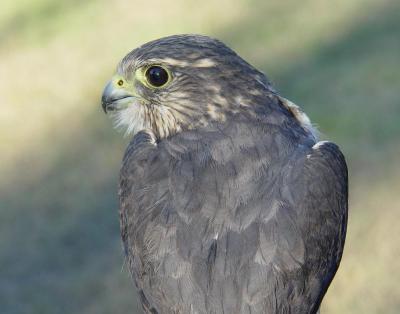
[228, 201]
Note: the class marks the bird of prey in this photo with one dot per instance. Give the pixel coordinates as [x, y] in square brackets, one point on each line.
[228, 202]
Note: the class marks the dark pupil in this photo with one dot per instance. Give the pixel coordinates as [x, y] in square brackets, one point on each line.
[157, 76]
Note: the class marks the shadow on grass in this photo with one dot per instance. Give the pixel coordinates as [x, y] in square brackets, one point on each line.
[60, 241]
[349, 86]
[60, 236]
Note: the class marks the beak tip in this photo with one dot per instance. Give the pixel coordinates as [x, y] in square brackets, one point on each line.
[106, 97]
[104, 104]
[113, 96]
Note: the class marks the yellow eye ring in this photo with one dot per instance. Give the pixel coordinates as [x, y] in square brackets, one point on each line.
[157, 76]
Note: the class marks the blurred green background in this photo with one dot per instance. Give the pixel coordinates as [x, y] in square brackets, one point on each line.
[60, 250]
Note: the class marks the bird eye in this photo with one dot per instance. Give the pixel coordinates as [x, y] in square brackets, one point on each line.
[157, 76]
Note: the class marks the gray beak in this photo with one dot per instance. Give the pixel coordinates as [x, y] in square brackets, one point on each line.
[114, 96]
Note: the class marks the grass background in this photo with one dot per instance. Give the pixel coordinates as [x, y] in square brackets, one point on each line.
[60, 250]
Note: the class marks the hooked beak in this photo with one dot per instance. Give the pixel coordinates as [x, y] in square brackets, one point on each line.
[114, 97]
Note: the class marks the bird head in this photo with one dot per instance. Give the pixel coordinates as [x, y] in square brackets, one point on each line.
[181, 82]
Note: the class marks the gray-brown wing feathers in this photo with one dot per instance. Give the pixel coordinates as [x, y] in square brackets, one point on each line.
[237, 219]
[320, 191]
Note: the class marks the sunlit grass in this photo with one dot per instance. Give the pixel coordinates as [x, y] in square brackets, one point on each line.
[367, 280]
[60, 158]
